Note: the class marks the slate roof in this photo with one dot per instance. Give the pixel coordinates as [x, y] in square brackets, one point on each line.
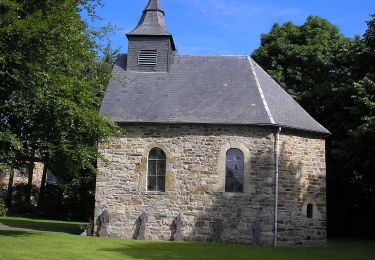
[154, 5]
[152, 22]
[230, 90]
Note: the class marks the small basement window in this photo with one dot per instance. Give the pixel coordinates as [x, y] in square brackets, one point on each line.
[310, 209]
[147, 58]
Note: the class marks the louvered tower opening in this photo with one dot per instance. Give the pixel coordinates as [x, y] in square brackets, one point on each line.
[147, 58]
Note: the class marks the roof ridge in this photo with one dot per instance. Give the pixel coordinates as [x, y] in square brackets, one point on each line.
[261, 70]
[261, 91]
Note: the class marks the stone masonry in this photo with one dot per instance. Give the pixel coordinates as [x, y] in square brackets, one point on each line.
[20, 177]
[195, 178]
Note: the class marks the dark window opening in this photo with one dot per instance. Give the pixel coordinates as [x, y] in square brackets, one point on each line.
[147, 58]
[234, 171]
[310, 212]
[156, 170]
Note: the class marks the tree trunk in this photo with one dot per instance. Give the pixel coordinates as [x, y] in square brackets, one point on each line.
[9, 198]
[42, 185]
[30, 171]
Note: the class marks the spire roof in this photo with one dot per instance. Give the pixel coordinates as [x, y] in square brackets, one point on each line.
[154, 5]
[152, 22]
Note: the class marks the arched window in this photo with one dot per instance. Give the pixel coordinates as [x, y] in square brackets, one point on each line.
[234, 171]
[310, 210]
[156, 170]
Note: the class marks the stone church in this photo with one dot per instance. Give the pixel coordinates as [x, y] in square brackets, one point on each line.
[214, 149]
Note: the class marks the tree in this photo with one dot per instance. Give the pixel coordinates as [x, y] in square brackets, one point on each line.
[356, 147]
[52, 80]
[369, 36]
[304, 60]
[9, 145]
[333, 78]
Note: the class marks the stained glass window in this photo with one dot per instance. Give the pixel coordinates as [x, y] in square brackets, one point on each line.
[156, 170]
[234, 175]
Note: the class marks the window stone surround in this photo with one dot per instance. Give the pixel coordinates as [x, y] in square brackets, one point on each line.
[221, 171]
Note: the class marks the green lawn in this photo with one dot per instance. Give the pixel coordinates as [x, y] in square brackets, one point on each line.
[43, 225]
[24, 244]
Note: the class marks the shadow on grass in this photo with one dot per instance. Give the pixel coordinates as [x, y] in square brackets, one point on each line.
[175, 250]
[180, 250]
[39, 225]
[17, 233]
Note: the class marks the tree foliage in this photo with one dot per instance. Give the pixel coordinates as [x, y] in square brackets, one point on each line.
[9, 145]
[332, 76]
[52, 80]
[303, 59]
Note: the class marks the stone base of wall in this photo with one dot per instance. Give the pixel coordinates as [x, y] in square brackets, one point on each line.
[201, 217]
[195, 186]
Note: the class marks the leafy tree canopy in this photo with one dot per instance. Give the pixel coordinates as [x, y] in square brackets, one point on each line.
[52, 80]
[303, 59]
[332, 76]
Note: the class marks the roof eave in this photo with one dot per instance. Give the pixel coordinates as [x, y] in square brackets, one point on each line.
[324, 133]
[131, 34]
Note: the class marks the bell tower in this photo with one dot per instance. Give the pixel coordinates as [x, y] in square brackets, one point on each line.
[150, 43]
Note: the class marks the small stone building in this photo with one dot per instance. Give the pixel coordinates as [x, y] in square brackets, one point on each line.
[214, 149]
[20, 177]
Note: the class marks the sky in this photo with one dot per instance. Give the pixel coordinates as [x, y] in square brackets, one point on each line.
[232, 26]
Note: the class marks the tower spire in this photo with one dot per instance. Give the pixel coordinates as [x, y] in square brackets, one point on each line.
[152, 22]
[154, 5]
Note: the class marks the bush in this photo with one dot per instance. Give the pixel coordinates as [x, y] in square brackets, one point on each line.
[3, 208]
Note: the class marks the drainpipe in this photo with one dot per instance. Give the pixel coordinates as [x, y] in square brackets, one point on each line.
[276, 184]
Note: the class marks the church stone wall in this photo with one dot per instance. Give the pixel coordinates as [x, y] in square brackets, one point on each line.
[195, 184]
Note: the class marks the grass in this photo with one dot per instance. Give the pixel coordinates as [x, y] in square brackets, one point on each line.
[25, 244]
[43, 225]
